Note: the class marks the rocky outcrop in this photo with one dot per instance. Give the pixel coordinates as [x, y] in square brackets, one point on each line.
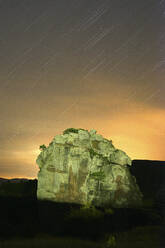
[83, 167]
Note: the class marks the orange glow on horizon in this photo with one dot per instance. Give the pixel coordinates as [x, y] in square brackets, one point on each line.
[138, 133]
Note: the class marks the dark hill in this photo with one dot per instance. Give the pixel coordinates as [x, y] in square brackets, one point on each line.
[18, 187]
[150, 176]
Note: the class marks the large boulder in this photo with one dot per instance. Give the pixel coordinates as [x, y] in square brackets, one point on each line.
[83, 167]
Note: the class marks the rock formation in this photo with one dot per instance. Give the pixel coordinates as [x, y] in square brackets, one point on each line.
[85, 168]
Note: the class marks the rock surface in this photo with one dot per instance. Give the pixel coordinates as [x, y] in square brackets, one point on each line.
[85, 168]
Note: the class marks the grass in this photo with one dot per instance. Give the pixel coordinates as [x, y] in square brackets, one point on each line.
[49, 242]
[26, 222]
[139, 237]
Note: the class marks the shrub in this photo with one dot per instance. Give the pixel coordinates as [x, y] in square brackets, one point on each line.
[86, 213]
[109, 211]
[111, 242]
[42, 147]
[72, 130]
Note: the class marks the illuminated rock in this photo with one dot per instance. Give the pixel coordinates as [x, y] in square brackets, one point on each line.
[85, 168]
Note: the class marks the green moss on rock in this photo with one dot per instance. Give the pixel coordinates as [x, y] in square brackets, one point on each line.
[92, 153]
[98, 175]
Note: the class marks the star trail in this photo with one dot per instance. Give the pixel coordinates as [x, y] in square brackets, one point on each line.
[91, 64]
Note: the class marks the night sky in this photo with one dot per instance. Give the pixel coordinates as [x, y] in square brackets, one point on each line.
[84, 64]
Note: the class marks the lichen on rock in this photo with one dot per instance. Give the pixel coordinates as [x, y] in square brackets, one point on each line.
[83, 167]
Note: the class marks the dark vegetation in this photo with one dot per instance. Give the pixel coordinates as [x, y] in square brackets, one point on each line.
[42, 147]
[48, 224]
[72, 130]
